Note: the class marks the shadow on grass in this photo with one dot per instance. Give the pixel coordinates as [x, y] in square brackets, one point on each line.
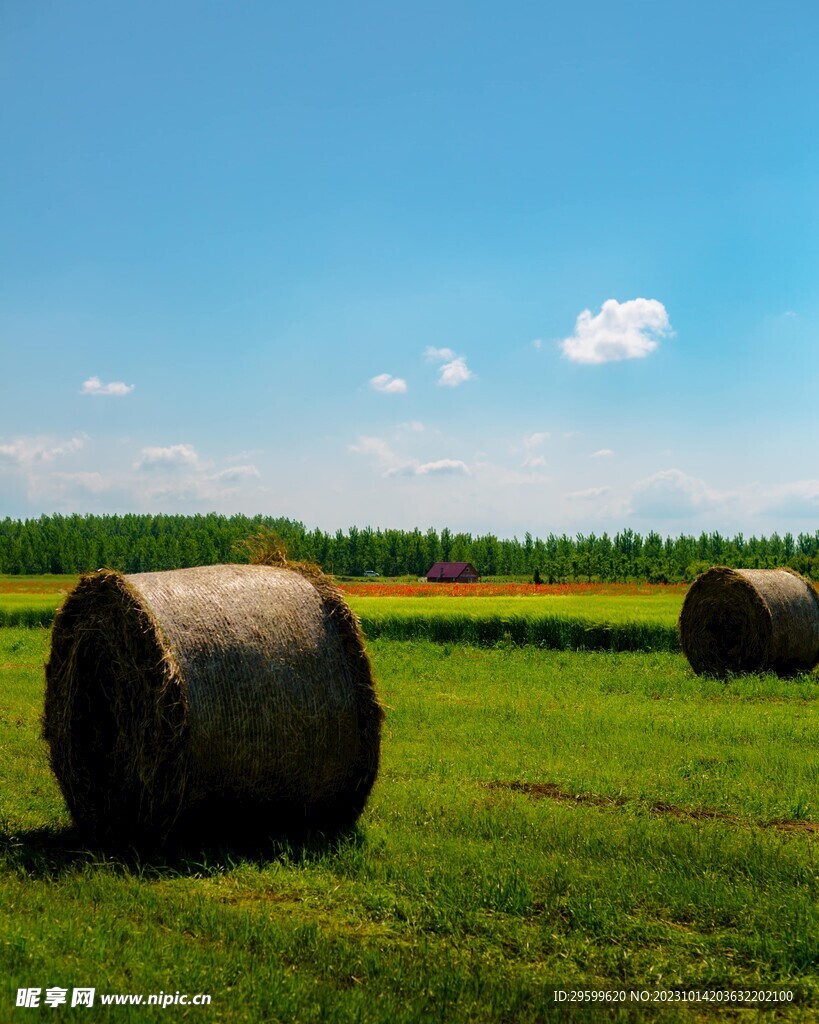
[49, 853]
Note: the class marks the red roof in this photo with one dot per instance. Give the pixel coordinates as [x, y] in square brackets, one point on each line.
[450, 570]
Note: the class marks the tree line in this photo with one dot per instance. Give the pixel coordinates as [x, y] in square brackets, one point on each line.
[147, 543]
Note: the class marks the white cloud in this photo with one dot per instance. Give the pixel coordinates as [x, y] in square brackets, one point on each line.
[537, 343]
[235, 473]
[443, 466]
[377, 449]
[589, 494]
[390, 463]
[412, 426]
[24, 451]
[94, 386]
[388, 385]
[603, 453]
[72, 491]
[531, 444]
[172, 476]
[453, 372]
[672, 494]
[84, 482]
[30, 460]
[438, 355]
[177, 474]
[800, 498]
[621, 330]
[172, 457]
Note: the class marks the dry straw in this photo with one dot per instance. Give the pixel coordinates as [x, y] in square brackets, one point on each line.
[750, 620]
[232, 699]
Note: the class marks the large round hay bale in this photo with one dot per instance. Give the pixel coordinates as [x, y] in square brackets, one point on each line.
[221, 698]
[750, 620]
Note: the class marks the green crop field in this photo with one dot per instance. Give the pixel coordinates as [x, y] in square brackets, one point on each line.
[543, 819]
[28, 609]
[592, 622]
[582, 621]
[31, 600]
[663, 609]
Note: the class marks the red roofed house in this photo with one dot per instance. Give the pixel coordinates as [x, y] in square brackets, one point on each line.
[453, 572]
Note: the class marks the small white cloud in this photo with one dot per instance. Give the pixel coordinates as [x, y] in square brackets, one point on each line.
[94, 386]
[537, 343]
[443, 466]
[412, 426]
[233, 473]
[440, 467]
[392, 464]
[603, 453]
[388, 385]
[174, 456]
[621, 330]
[376, 447]
[789, 314]
[590, 494]
[453, 372]
[531, 444]
[438, 355]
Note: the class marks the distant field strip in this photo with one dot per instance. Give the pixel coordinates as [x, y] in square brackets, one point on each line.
[28, 609]
[32, 600]
[594, 623]
[663, 609]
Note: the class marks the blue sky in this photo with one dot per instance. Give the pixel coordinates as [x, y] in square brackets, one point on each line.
[545, 267]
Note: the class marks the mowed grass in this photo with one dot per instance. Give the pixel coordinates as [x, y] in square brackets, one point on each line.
[542, 820]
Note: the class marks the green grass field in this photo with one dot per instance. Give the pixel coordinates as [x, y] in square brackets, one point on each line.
[543, 819]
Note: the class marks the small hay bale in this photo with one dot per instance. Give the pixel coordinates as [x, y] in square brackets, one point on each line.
[227, 700]
[750, 620]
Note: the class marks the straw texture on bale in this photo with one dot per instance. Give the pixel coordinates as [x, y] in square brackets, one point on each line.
[750, 620]
[220, 698]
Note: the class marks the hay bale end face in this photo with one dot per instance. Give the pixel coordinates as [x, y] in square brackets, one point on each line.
[750, 620]
[217, 699]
